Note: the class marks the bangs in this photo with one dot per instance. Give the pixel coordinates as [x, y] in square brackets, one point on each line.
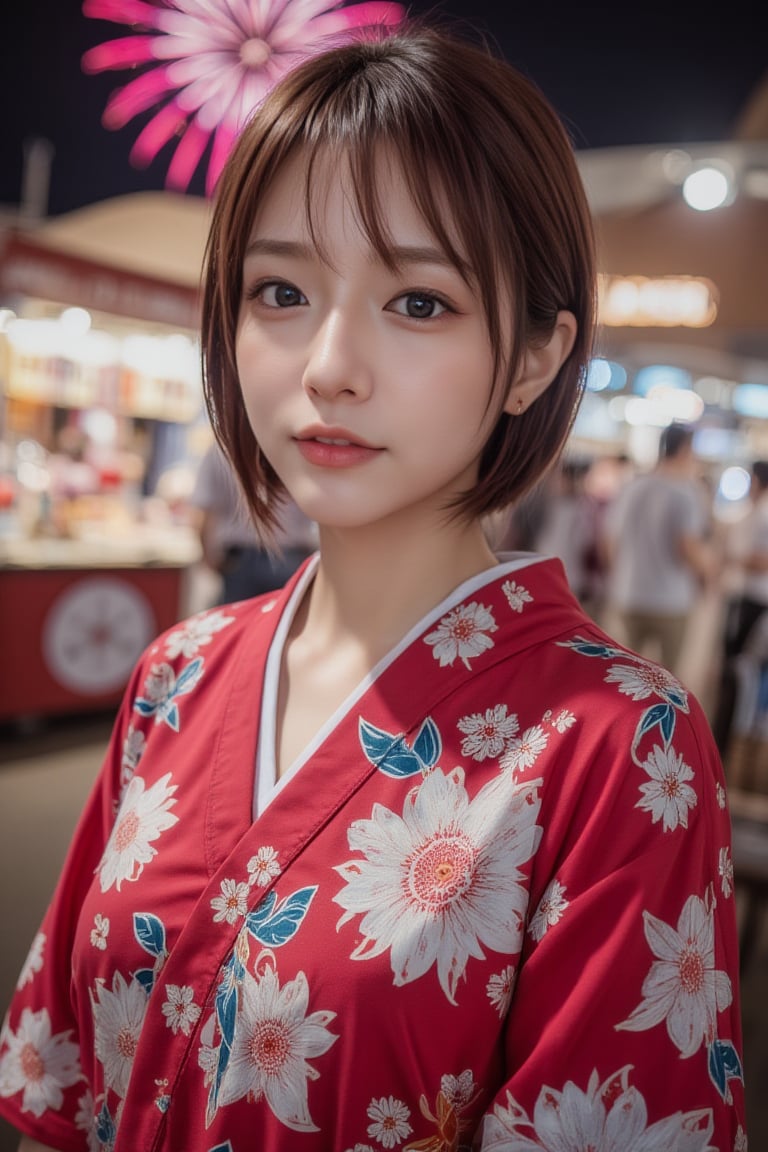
[380, 115]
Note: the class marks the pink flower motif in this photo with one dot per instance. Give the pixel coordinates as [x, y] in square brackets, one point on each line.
[204, 65]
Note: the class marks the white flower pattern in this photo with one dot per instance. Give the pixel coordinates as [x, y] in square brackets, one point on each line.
[564, 720]
[667, 796]
[517, 596]
[725, 870]
[641, 680]
[85, 1121]
[389, 1121]
[487, 734]
[118, 1018]
[263, 867]
[607, 1117]
[273, 1043]
[179, 1008]
[462, 634]
[232, 903]
[33, 962]
[550, 910]
[500, 988]
[100, 931]
[143, 815]
[683, 988]
[133, 749]
[38, 1064]
[459, 1090]
[523, 751]
[444, 879]
[195, 634]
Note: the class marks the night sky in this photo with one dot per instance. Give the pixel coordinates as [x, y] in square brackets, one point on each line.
[667, 74]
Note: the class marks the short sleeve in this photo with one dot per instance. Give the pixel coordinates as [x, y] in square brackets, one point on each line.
[43, 1091]
[624, 1028]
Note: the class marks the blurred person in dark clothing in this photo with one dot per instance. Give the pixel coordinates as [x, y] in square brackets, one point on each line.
[229, 541]
[749, 554]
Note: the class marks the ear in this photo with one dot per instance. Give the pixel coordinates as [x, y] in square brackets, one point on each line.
[541, 364]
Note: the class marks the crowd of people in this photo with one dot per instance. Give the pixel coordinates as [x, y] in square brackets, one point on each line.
[647, 556]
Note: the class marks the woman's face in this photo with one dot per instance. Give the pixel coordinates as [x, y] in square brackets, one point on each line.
[366, 388]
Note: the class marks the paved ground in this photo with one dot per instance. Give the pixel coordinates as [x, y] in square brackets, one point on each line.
[45, 775]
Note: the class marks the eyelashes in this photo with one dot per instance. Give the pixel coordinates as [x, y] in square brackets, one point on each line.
[279, 294]
[415, 304]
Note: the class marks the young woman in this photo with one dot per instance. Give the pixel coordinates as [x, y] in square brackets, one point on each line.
[408, 855]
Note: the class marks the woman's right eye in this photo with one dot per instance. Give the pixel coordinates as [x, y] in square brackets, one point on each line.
[277, 294]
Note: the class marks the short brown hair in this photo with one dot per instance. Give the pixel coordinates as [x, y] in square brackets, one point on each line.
[470, 131]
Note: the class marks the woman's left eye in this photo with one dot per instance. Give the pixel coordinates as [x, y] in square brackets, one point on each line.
[419, 305]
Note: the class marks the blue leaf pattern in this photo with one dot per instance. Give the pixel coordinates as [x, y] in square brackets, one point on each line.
[390, 754]
[661, 714]
[591, 648]
[227, 998]
[724, 1065]
[105, 1127]
[428, 744]
[145, 977]
[286, 920]
[189, 677]
[375, 741]
[165, 709]
[257, 917]
[150, 933]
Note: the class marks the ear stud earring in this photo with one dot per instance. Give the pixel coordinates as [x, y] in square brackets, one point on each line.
[520, 406]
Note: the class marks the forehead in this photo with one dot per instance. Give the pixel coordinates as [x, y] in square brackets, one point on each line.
[318, 194]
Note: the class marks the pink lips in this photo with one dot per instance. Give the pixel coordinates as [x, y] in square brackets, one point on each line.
[334, 448]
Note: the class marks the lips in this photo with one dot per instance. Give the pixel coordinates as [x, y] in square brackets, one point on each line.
[334, 436]
[334, 448]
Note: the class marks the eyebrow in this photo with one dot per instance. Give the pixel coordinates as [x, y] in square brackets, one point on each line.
[264, 247]
[401, 253]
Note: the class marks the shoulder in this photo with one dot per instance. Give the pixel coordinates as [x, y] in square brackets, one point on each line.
[208, 637]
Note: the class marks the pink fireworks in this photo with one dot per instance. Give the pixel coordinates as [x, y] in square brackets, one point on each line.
[206, 64]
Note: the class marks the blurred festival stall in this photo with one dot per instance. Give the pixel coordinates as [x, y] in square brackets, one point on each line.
[102, 422]
[102, 425]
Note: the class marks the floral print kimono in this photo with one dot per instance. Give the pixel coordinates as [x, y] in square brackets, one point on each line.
[491, 905]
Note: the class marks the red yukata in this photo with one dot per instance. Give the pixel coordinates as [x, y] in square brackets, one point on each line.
[491, 906]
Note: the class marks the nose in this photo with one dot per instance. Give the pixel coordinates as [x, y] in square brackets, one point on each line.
[337, 366]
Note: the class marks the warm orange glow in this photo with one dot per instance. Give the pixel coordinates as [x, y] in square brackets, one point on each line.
[663, 302]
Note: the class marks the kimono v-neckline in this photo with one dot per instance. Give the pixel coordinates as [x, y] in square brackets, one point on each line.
[250, 712]
[267, 785]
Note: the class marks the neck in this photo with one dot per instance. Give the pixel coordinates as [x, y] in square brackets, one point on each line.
[370, 589]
